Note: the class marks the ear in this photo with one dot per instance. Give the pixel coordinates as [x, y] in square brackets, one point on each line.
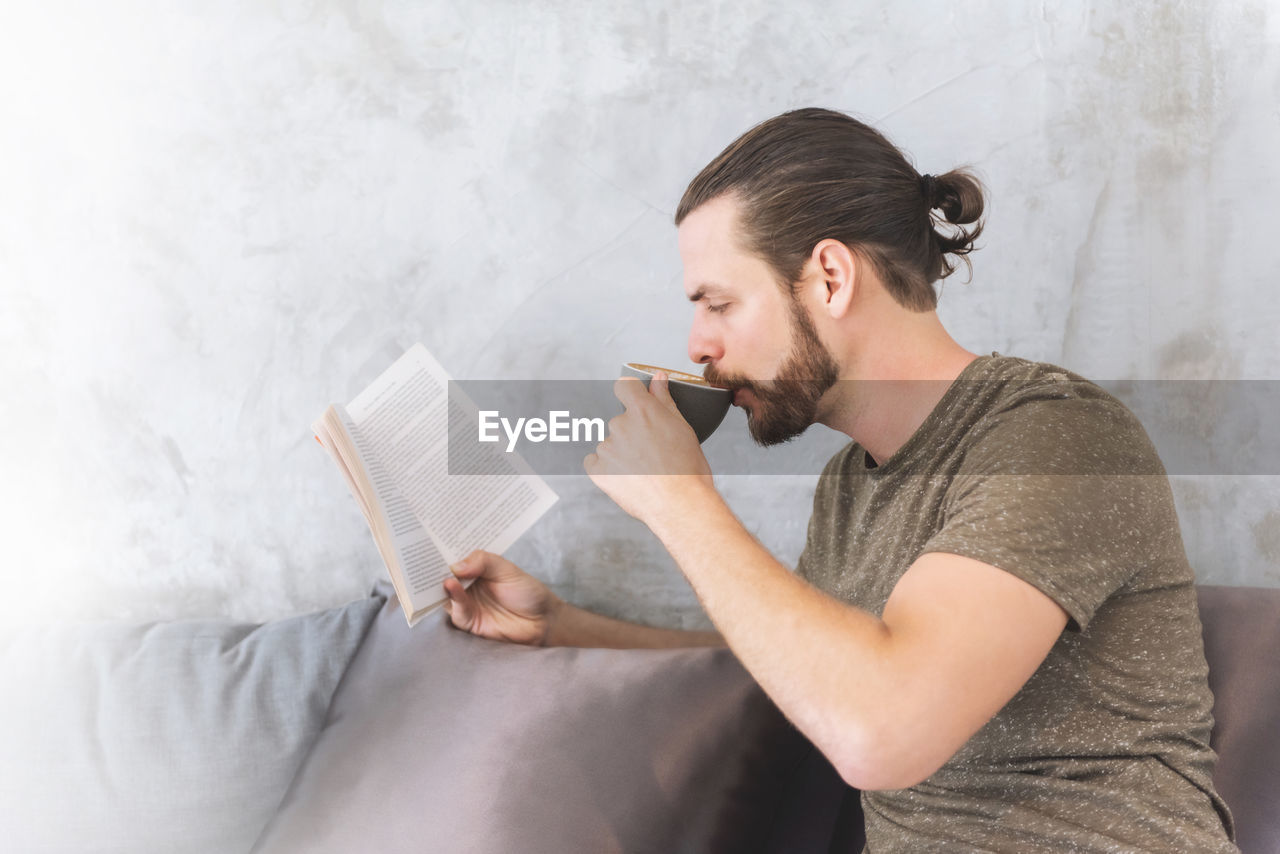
[839, 271]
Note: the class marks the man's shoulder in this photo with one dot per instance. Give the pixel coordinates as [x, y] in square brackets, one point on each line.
[1042, 415]
[1014, 378]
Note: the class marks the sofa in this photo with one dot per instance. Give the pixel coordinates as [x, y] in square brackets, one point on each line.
[345, 731]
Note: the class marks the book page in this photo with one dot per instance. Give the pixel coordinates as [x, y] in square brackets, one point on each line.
[422, 566]
[404, 418]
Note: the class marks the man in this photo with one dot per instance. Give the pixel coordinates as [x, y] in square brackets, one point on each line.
[992, 631]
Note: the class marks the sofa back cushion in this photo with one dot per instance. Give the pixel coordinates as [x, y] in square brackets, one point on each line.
[440, 741]
[178, 737]
[1242, 646]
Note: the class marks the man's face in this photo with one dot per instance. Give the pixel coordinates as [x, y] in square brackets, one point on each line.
[749, 334]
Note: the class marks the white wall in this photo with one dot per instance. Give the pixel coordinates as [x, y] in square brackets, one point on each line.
[215, 219]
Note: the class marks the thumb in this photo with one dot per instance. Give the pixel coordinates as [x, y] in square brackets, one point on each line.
[486, 565]
[659, 388]
[471, 566]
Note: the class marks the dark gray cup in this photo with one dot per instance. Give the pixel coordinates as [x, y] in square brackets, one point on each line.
[702, 405]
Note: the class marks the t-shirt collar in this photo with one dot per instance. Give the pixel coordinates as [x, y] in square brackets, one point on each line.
[937, 417]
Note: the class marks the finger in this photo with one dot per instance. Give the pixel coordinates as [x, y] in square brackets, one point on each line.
[595, 466]
[629, 390]
[461, 612]
[662, 391]
[475, 565]
[488, 566]
[453, 589]
[471, 566]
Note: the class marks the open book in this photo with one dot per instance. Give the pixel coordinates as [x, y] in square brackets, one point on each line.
[392, 445]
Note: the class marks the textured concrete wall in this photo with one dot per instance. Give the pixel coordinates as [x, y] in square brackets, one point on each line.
[215, 219]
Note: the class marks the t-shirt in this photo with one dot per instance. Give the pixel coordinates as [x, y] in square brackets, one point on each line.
[1037, 471]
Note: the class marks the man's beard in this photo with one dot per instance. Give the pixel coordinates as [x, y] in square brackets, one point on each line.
[788, 404]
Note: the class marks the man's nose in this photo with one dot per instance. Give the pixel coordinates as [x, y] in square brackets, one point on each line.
[703, 348]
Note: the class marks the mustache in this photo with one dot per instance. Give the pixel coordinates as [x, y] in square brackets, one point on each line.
[721, 379]
[760, 388]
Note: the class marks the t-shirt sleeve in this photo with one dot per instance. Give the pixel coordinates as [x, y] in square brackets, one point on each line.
[1066, 493]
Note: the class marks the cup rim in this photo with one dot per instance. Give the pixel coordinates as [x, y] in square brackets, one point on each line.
[674, 375]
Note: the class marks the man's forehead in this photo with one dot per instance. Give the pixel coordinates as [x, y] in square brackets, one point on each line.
[715, 262]
[712, 226]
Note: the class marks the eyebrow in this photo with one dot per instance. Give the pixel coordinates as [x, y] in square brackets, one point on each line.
[706, 289]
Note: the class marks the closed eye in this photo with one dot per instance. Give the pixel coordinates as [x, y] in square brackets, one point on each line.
[717, 309]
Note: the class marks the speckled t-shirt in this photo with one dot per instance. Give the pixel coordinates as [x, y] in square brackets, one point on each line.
[1035, 470]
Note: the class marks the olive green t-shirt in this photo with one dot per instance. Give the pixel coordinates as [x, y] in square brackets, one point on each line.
[1037, 471]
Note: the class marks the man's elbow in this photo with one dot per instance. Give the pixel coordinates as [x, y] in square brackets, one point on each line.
[879, 779]
[887, 761]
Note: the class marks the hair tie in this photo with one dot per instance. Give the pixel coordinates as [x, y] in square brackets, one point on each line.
[928, 187]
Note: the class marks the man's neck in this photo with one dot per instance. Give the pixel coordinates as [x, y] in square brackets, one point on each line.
[886, 395]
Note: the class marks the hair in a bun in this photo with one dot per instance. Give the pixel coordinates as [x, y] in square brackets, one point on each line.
[812, 174]
[958, 195]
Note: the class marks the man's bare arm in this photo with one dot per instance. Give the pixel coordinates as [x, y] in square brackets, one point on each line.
[887, 699]
[574, 626]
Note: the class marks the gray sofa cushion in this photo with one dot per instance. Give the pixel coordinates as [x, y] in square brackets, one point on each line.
[1242, 646]
[176, 737]
[440, 741]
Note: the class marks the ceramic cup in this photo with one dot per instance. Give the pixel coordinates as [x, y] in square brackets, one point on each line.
[702, 405]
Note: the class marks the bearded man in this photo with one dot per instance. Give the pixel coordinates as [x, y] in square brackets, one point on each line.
[992, 631]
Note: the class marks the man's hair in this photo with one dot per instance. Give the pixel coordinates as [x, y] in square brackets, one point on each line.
[812, 174]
